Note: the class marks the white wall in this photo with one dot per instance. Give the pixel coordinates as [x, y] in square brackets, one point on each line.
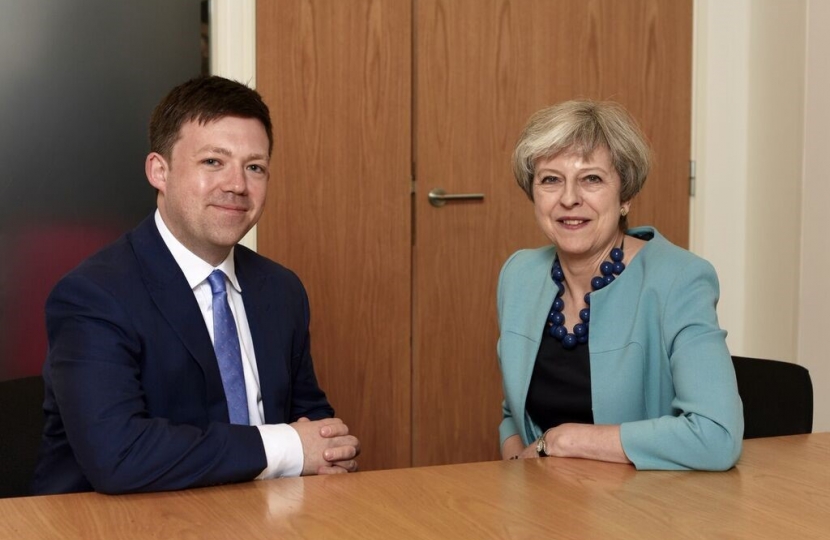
[775, 133]
[721, 84]
[762, 144]
[814, 311]
[749, 108]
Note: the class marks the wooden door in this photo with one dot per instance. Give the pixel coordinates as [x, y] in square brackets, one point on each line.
[482, 67]
[336, 76]
[363, 93]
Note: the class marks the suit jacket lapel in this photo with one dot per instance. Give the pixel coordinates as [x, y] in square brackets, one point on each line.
[174, 298]
[258, 308]
[525, 316]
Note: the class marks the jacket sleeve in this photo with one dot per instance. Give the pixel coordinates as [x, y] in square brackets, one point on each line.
[707, 431]
[507, 427]
[95, 360]
[308, 399]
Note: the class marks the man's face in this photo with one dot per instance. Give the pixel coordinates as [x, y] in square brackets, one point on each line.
[212, 190]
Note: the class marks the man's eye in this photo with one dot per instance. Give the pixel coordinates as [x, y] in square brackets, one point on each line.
[256, 168]
[211, 161]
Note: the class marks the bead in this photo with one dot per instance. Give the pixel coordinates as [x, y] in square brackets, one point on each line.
[556, 320]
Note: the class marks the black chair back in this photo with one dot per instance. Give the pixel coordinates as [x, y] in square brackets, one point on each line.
[21, 428]
[777, 397]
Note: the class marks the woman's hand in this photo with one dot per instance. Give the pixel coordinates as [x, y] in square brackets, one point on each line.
[512, 447]
[581, 441]
[529, 451]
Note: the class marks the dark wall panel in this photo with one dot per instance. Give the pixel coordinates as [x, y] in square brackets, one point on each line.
[78, 80]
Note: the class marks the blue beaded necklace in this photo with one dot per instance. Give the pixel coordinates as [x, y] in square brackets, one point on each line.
[556, 320]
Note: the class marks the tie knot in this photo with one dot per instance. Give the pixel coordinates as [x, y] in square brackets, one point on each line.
[217, 281]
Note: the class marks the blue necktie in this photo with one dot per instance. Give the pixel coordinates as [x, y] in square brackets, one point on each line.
[226, 345]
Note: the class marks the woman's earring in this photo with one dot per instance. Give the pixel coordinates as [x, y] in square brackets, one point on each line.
[623, 211]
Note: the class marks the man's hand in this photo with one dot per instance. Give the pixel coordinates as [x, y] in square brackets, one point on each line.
[327, 446]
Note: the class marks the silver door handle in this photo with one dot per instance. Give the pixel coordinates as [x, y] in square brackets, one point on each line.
[438, 197]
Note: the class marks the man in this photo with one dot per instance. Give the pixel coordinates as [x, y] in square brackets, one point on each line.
[176, 357]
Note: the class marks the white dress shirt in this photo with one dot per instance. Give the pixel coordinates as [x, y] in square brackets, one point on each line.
[283, 448]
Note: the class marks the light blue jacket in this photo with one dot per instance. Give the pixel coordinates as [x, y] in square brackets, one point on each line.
[659, 363]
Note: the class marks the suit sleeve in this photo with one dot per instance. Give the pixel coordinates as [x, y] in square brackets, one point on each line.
[95, 360]
[707, 432]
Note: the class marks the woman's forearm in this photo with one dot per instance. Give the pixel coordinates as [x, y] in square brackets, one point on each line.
[587, 441]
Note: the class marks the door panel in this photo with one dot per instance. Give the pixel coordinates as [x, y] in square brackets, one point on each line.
[403, 315]
[336, 76]
[482, 67]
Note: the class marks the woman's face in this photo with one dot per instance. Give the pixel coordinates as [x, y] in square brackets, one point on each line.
[577, 202]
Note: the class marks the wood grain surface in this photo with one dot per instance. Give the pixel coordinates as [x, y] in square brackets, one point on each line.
[780, 489]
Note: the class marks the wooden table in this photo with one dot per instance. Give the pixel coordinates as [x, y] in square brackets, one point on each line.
[780, 489]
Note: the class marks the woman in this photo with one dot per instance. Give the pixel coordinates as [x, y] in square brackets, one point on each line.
[610, 347]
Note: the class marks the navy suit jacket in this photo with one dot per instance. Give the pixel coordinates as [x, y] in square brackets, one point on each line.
[134, 399]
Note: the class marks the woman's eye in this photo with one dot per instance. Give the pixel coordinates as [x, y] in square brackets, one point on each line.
[593, 179]
[549, 179]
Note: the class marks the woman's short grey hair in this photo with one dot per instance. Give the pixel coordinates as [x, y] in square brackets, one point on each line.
[584, 126]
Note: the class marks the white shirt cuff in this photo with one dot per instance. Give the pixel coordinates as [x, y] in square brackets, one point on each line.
[283, 450]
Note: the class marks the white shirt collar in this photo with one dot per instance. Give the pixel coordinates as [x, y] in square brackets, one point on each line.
[195, 269]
